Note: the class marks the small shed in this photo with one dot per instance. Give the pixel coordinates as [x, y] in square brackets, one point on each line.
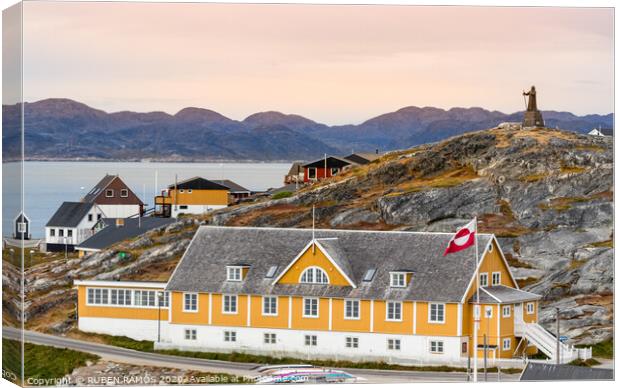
[21, 227]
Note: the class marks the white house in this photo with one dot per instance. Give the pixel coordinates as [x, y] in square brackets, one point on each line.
[71, 224]
[114, 198]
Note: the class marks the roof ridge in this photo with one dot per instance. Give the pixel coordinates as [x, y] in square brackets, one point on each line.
[333, 230]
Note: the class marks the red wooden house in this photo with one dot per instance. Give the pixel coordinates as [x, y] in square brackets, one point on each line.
[325, 168]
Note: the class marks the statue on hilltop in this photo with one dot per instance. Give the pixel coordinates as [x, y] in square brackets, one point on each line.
[532, 117]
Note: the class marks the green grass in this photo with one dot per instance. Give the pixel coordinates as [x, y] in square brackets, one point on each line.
[42, 362]
[282, 194]
[603, 349]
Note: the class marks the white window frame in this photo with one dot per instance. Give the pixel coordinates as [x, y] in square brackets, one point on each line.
[264, 300]
[394, 344]
[185, 305]
[314, 271]
[528, 309]
[190, 335]
[488, 312]
[311, 340]
[499, 278]
[230, 336]
[230, 298]
[21, 227]
[305, 300]
[443, 313]
[436, 346]
[506, 343]
[109, 193]
[334, 171]
[234, 274]
[485, 276]
[398, 279]
[506, 311]
[359, 308]
[101, 302]
[400, 311]
[316, 172]
[189, 191]
[352, 342]
[124, 193]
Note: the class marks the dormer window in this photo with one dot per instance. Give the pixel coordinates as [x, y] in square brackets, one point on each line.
[235, 273]
[398, 279]
[314, 275]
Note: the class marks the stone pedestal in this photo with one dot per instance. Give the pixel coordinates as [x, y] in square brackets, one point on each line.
[533, 119]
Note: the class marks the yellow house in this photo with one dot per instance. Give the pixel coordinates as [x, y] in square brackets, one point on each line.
[356, 295]
[192, 196]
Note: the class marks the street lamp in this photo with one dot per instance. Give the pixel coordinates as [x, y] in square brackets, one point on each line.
[160, 296]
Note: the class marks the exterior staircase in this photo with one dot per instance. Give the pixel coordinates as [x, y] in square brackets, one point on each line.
[547, 343]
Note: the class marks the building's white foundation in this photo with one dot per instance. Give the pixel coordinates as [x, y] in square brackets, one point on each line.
[138, 329]
[415, 349]
[193, 209]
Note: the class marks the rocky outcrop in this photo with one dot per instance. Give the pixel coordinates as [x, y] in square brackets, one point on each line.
[547, 194]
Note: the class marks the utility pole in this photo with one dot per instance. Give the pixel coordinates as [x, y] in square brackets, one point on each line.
[557, 335]
[485, 355]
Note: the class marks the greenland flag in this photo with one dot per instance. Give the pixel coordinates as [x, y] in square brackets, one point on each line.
[463, 238]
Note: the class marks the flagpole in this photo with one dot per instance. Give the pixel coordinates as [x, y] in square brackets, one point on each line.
[476, 305]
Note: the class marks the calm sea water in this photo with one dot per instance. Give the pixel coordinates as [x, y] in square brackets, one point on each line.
[48, 184]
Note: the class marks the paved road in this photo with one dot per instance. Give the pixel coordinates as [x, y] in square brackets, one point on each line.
[129, 356]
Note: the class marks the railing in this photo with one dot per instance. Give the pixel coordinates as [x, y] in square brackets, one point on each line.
[547, 343]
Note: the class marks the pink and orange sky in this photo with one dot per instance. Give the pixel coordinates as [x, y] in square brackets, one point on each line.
[333, 64]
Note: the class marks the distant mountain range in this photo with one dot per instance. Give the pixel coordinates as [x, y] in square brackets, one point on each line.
[64, 129]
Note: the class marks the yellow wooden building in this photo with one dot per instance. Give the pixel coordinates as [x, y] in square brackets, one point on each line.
[357, 295]
[192, 196]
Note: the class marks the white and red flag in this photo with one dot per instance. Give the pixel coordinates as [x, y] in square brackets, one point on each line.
[463, 238]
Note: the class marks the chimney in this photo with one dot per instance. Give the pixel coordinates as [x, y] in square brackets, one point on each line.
[120, 222]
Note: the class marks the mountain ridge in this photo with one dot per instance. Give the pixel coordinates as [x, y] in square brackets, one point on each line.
[62, 128]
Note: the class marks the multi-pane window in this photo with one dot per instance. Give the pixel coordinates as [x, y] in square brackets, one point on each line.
[190, 334]
[488, 311]
[190, 302]
[436, 346]
[394, 311]
[230, 304]
[506, 344]
[230, 336]
[124, 193]
[314, 275]
[97, 296]
[506, 311]
[109, 193]
[484, 279]
[269, 338]
[270, 305]
[70, 233]
[352, 342]
[165, 299]
[52, 232]
[311, 307]
[61, 232]
[436, 313]
[352, 309]
[144, 298]
[496, 278]
[393, 344]
[120, 297]
[397, 279]
[233, 274]
[310, 340]
[530, 308]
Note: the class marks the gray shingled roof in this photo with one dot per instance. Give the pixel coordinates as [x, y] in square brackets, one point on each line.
[112, 234]
[233, 186]
[545, 372]
[436, 278]
[69, 214]
[98, 188]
